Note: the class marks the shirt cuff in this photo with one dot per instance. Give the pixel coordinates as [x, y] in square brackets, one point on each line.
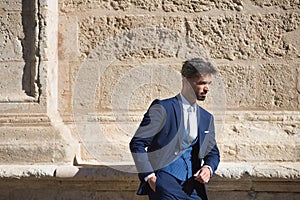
[149, 176]
[210, 169]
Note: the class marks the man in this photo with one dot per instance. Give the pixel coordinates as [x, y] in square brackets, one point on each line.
[174, 148]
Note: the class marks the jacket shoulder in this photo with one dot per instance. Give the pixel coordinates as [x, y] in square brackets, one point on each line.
[165, 102]
[205, 112]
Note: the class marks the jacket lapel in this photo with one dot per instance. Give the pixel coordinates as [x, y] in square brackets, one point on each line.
[201, 124]
[179, 120]
[178, 111]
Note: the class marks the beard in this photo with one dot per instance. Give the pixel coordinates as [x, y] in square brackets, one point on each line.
[201, 96]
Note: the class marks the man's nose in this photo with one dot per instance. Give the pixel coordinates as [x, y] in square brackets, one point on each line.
[206, 88]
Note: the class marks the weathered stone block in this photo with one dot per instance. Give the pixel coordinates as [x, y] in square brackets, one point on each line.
[242, 151]
[64, 89]
[78, 5]
[285, 4]
[33, 153]
[253, 87]
[68, 38]
[33, 144]
[276, 87]
[17, 82]
[265, 136]
[228, 152]
[240, 86]
[17, 45]
[246, 36]
[151, 5]
[11, 5]
[106, 143]
[144, 81]
[96, 30]
[271, 152]
[11, 36]
[198, 6]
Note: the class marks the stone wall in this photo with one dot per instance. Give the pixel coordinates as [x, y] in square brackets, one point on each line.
[77, 76]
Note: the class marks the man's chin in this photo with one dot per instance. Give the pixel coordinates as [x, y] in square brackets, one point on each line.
[201, 98]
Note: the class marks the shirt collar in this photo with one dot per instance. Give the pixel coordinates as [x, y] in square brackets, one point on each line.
[187, 104]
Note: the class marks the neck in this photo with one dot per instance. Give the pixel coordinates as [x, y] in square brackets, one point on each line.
[190, 98]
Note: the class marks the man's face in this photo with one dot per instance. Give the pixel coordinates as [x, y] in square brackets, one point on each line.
[199, 86]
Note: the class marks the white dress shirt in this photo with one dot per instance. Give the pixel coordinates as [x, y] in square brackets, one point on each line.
[190, 119]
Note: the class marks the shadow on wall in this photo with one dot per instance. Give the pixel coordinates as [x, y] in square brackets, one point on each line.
[30, 22]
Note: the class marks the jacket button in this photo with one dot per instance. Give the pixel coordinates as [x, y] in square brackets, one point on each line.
[175, 153]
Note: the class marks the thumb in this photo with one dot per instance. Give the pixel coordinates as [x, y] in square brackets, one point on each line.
[197, 173]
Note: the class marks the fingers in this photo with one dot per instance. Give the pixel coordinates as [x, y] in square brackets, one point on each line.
[197, 173]
[152, 186]
[152, 183]
[202, 175]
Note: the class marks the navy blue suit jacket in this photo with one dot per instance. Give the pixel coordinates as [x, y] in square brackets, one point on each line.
[158, 140]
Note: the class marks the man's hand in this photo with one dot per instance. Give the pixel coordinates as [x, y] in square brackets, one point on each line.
[202, 175]
[152, 182]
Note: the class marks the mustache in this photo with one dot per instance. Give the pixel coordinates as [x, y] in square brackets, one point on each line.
[204, 92]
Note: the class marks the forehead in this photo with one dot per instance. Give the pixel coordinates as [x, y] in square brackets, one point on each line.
[203, 77]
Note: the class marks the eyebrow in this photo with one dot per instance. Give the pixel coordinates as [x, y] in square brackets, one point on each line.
[204, 82]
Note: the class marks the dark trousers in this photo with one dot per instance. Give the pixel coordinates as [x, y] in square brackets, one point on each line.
[170, 188]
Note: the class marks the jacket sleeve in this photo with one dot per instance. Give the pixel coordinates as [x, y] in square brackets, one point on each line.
[153, 121]
[209, 150]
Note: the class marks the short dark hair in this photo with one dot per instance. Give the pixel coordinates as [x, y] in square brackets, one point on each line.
[196, 66]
